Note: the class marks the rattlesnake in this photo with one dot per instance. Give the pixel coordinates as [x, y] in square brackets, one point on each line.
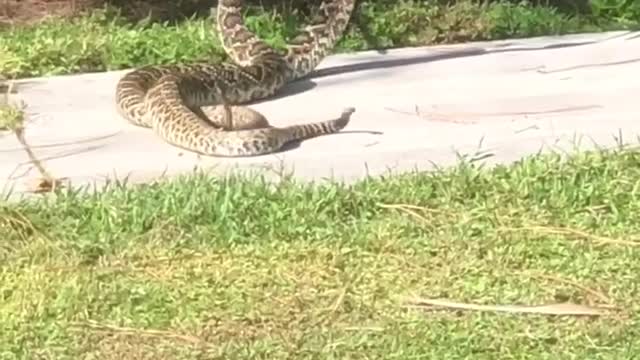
[171, 99]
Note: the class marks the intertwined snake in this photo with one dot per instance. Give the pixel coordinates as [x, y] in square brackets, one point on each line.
[171, 99]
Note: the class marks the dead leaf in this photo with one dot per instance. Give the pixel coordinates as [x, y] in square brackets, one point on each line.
[45, 185]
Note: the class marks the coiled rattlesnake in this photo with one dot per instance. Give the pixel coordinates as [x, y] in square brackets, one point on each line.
[170, 99]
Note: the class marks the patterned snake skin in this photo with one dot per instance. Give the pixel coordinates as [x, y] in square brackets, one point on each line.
[171, 99]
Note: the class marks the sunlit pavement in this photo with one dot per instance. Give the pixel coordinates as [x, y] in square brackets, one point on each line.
[415, 108]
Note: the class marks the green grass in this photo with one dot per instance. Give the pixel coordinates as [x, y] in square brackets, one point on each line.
[104, 41]
[203, 267]
[241, 268]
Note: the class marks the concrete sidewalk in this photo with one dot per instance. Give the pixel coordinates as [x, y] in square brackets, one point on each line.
[496, 100]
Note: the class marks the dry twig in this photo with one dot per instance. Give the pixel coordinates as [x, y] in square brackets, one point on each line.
[551, 309]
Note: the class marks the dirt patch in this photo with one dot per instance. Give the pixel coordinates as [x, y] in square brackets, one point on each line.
[28, 11]
[18, 12]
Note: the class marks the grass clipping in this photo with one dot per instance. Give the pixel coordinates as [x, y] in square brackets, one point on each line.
[558, 309]
[12, 118]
